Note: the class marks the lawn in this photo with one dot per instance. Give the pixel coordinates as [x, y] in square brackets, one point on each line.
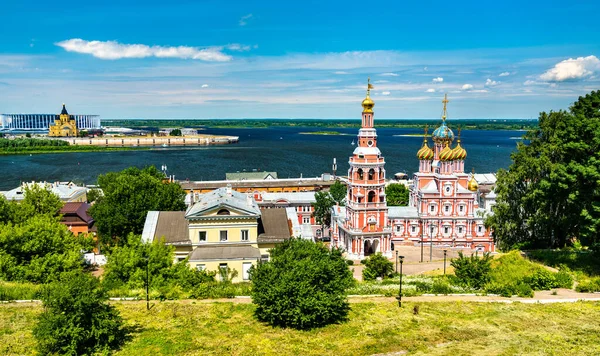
[461, 328]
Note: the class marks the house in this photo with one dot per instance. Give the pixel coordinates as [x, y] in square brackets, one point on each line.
[66, 191]
[222, 229]
[75, 216]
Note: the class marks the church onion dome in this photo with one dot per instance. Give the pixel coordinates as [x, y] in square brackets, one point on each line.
[443, 134]
[425, 153]
[64, 110]
[368, 103]
[459, 152]
[446, 153]
[472, 185]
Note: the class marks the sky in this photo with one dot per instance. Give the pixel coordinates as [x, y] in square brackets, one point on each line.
[297, 59]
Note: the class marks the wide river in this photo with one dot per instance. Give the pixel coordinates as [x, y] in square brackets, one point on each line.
[283, 150]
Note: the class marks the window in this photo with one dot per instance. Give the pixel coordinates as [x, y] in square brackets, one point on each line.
[223, 271]
[360, 173]
[432, 208]
[431, 230]
[223, 235]
[371, 197]
[245, 270]
[200, 267]
[479, 228]
[202, 236]
[413, 229]
[461, 208]
[223, 212]
[371, 174]
[447, 208]
[398, 228]
[306, 220]
[446, 230]
[244, 235]
[460, 229]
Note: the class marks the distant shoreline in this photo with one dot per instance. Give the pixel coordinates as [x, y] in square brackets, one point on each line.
[324, 133]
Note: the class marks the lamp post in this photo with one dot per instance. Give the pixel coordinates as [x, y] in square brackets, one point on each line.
[400, 289]
[445, 251]
[147, 284]
[396, 261]
[422, 246]
[431, 247]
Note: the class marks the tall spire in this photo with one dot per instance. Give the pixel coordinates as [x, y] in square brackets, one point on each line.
[368, 104]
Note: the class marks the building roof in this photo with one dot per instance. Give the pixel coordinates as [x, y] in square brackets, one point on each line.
[273, 225]
[300, 183]
[76, 212]
[402, 212]
[485, 178]
[171, 225]
[223, 198]
[64, 190]
[224, 252]
[64, 110]
[251, 175]
[297, 197]
[431, 187]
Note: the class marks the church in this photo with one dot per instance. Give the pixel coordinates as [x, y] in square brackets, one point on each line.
[444, 200]
[64, 126]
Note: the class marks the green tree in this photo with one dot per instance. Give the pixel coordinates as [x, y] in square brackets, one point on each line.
[6, 210]
[128, 196]
[396, 195]
[322, 208]
[39, 249]
[37, 200]
[377, 265]
[175, 132]
[303, 286]
[472, 271]
[550, 196]
[77, 320]
[93, 195]
[338, 192]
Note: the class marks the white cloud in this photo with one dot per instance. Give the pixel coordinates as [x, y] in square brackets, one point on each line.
[467, 87]
[244, 20]
[238, 47]
[386, 93]
[491, 83]
[389, 74]
[430, 90]
[204, 85]
[424, 69]
[504, 74]
[571, 69]
[438, 80]
[340, 72]
[116, 50]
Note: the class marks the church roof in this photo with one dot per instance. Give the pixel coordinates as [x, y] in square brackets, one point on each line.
[64, 110]
[398, 212]
[273, 225]
[431, 187]
[294, 197]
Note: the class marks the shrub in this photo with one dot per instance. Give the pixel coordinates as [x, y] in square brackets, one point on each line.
[563, 279]
[19, 291]
[441, 286]
[542, 279]
[589, 285]
[472, 271]
[76, 319]
[303, 286]
[377, 266]
[350, 262]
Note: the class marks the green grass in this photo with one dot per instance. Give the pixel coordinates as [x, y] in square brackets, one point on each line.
[586, 262]
[173, 328]
[19, 291]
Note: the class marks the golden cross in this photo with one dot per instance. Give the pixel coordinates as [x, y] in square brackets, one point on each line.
[445, 101]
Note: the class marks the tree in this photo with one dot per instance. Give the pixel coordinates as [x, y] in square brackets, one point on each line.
[550, 196]
[93, 195]
[338, 192]
[37, 200]
[472, 271]
[322, 208]
[175, 132]
[128, 196]
[377, 265]
[39, 249]
[396, 195]
[76, 319]
[302, 286]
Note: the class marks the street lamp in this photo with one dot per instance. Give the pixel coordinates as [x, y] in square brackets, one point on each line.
[147, 284]
[445, 251]
[400, 290]
[396, 261]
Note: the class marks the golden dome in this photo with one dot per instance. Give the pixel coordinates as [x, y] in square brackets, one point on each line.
[446, 154]
[368, 104]
[472, 185]
[425, 153]
[458, 152]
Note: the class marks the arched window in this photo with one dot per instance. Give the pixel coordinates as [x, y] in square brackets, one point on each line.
[360, 173]
[371, 174]
[381, 174]
[223, 212]
[371, 197]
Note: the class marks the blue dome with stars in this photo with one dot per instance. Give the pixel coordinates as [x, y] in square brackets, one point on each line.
[443, 133]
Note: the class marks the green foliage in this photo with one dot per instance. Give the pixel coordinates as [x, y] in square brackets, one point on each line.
[542, 279]
[76, 319]
[587, 262]
[19, 291]
[396, 195]
[175, 132]
[550, 196]
[126, 267]
[338, 191]
[350, 262]
[303, 286]
[472, 271]
[93, 195]
[128, 196]
[322, 208]
[377, 265]
[589, 285]
[519, 288]
[37, 200]
[38, 250]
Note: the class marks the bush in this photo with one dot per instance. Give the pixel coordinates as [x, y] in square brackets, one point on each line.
[377, 266]
[508, 290]
[303, 286]
[76, 319]
[589, 285]
[472, 271]
[542, 279]
[350, 262]
[563, 279]
[19, 291]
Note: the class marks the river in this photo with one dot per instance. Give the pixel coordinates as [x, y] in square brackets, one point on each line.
[283, 150]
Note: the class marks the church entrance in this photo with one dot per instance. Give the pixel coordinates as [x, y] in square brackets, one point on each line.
[370, 247]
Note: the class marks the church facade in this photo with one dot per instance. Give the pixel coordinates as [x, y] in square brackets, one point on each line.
[65, 126]
[444, 200]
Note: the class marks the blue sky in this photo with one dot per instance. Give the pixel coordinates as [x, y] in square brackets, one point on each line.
[308, 59]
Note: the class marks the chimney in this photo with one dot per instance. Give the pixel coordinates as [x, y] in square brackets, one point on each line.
[228, 190]
[249, 199]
